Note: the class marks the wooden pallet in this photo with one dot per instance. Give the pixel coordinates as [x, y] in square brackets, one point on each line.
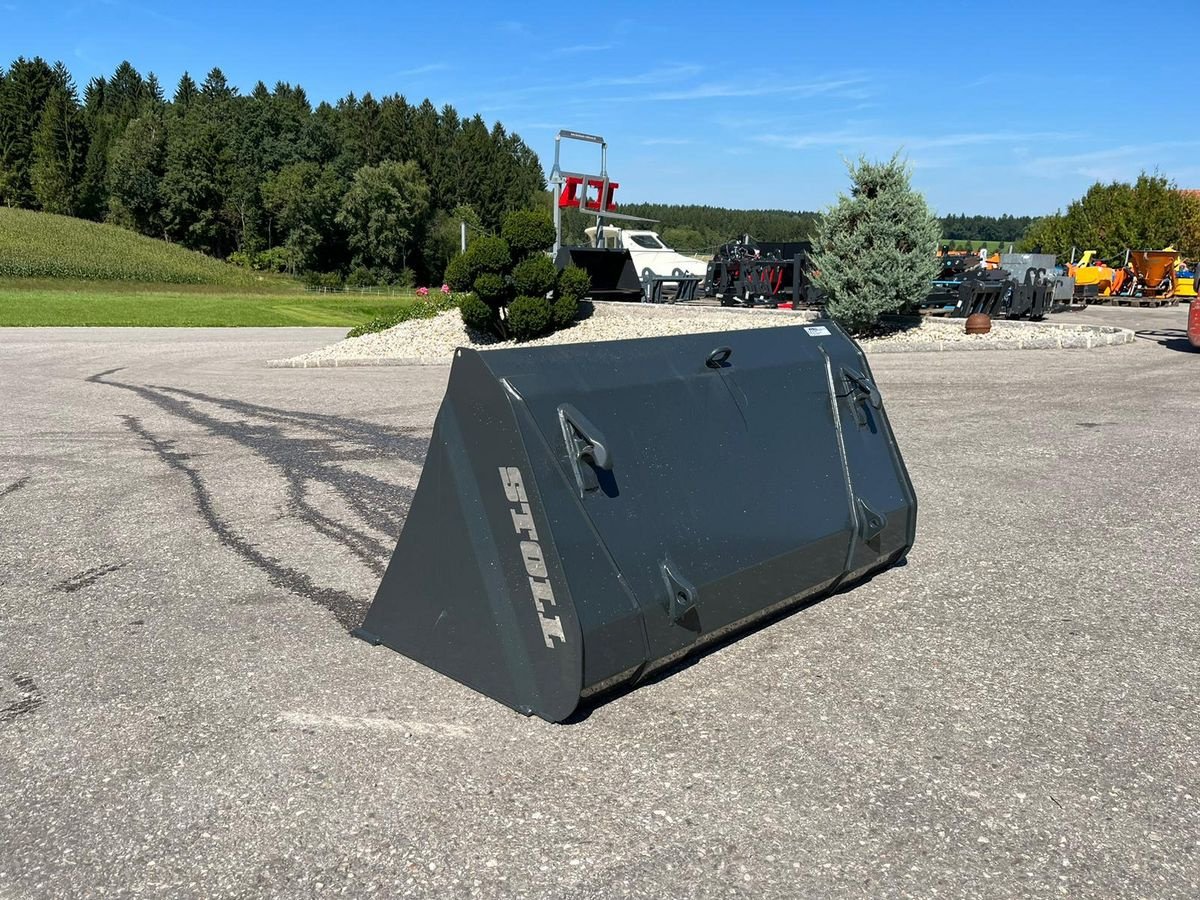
[1120, 300]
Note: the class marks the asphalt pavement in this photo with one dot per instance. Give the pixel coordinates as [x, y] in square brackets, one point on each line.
[186, 537]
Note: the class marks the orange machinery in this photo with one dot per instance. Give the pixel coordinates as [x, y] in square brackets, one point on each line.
[1153, 273]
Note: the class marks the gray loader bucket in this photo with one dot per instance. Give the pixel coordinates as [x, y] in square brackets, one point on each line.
[612, 272]
[591, 512]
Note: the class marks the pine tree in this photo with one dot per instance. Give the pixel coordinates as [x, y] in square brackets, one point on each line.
[58, 154]
[125, 96]
[23, 95]
[215, 88]
[185, 92]
[154, 91]
[875, 250]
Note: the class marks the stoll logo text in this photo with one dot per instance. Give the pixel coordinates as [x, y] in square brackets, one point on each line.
[531, 551]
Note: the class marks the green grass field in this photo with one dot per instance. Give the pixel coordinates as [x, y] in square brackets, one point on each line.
[993, 246]
[48, 302]
[41, 245]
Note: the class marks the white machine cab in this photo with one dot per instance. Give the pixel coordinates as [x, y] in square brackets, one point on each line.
[648, 251]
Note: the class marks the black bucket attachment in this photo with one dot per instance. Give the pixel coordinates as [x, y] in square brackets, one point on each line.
[588, 513]
[612, 272]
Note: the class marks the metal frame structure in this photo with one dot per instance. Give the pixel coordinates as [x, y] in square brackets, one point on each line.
[558, 179]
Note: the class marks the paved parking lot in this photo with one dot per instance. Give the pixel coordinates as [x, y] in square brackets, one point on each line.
[187, 536]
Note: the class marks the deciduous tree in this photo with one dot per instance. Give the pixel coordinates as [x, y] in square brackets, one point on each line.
[383, 213]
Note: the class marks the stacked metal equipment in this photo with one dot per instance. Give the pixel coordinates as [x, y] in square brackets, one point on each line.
[761, 273]
[1032, 297]
[954, 268]
[590, 513]
[1028, 287]
[998, 294]
[1019, 263]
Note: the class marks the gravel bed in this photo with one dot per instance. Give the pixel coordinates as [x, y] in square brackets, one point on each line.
[949, 334]
[433, 341]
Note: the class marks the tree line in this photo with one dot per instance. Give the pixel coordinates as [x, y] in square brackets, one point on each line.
[365, 187]
[1150, 214]
[370, 189]
[961, 227]
[702, 229]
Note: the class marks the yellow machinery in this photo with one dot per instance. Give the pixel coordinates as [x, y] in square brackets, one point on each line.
[1185, 276]
[1098, 273]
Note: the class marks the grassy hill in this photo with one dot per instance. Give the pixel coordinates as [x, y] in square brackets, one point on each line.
[42, 245]
[56, 270]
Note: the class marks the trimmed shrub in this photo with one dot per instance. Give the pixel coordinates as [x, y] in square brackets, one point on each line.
[564, 310]
[477, 315]
[491, 288]
[528, 317]
[527, 232]
[488, 254]
[458, 273]
[534, 276]
[574, 282]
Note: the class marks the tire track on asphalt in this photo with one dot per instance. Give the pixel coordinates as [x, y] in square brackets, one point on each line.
[16, 486]
[28, 698]
[268, 432]
[347, 609]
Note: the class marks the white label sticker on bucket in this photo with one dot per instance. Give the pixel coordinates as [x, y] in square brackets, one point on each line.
[816, 330]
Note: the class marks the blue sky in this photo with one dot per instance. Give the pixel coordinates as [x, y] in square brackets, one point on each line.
[998, 108]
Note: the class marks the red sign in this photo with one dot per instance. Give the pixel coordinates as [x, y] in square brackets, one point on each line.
[576, 196]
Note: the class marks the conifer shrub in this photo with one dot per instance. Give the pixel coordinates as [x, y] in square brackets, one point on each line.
[488, 254]
[497, 269]
[574, 282]
[528, 317]
[477, 315]
[491, 288]
[534, 276]
[527, 232]
[564, 310]
[875, 250]
[458, 273]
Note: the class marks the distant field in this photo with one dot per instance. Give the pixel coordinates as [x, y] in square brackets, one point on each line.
[41, 245]
[38, 302]
[993, 246]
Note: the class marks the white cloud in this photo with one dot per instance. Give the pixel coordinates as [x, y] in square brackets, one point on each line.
[582, 48]
[853, 138]
[801, 89]
[421, 70]
[1109, 163]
